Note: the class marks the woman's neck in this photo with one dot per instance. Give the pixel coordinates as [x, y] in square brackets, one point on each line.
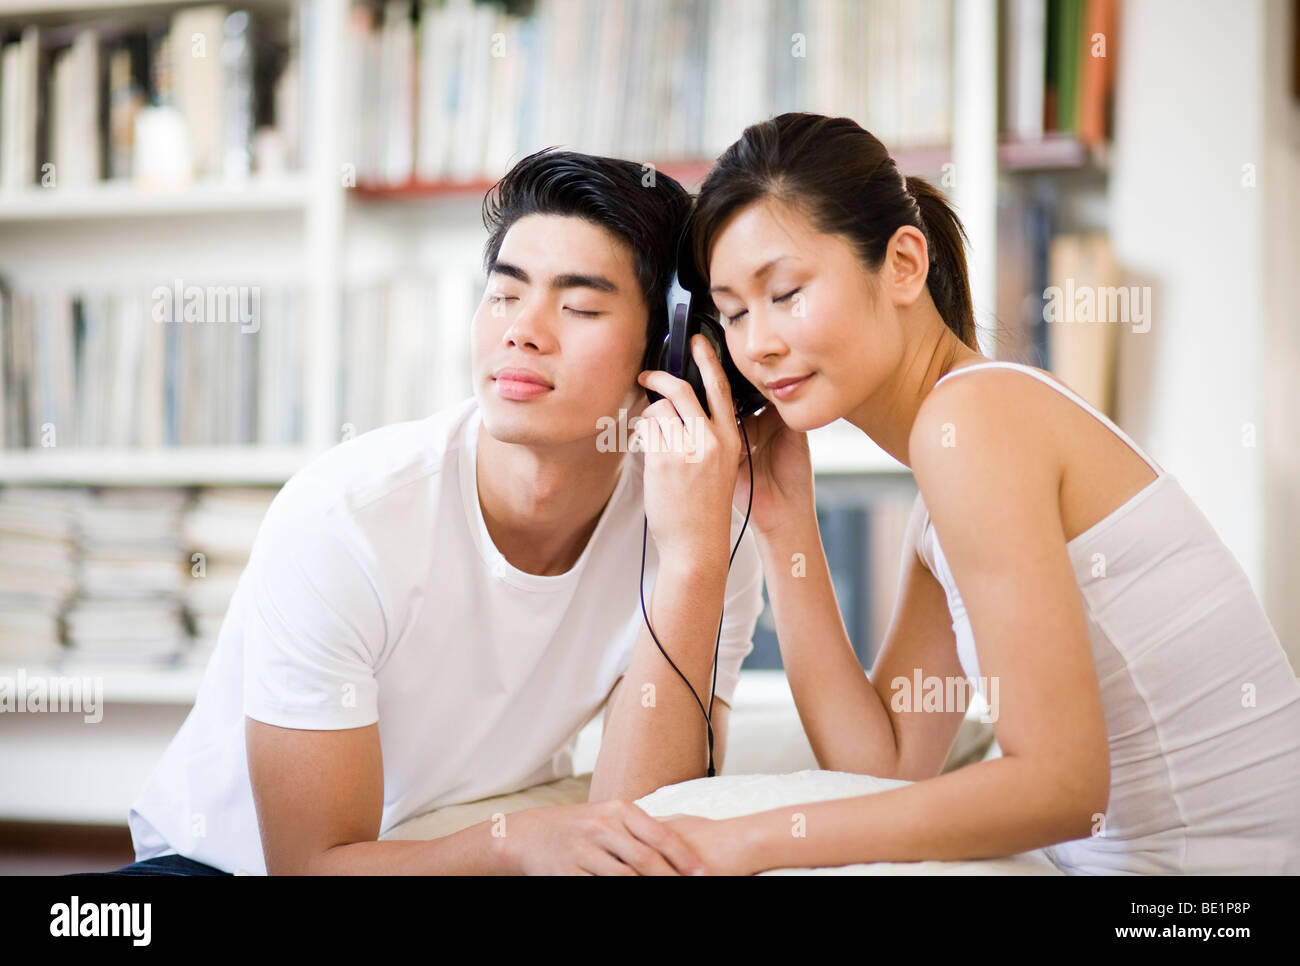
[888, 414]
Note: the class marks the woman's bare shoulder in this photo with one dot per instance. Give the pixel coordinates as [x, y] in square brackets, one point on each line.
[982, 440]
[992, 393]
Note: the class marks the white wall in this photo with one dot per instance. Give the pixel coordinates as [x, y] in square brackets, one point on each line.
[1204, 104]
[1188, 116]
[1280, 383]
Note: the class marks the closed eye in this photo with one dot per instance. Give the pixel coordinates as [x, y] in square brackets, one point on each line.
[497, 297]
[730, 319]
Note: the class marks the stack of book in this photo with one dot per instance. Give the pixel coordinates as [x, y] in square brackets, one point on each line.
[128, 608]
[38, 570]
[219, 531]
[161, 365]
[129, 576]
[461, 90]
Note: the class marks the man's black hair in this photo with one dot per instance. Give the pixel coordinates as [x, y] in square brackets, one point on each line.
[637, 204]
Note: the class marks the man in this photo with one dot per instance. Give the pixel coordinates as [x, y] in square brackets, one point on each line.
[433, 610]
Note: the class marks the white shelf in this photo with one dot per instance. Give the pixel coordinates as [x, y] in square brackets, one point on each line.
[59, 9]
[125, 684]
[1055, 151]
[834, 449]
[29, 8]
[183, 466]
[123, 199]
[757, 689]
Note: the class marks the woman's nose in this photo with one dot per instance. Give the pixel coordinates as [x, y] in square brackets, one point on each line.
[761, 338]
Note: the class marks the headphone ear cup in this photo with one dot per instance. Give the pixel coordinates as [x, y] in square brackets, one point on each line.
[693, 375]
[656, 358]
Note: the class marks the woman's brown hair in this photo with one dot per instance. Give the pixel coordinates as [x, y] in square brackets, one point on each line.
[843, 180]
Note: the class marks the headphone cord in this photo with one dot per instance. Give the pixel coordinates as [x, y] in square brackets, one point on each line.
[645, 526]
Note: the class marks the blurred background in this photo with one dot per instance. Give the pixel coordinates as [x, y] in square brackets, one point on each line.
[234, 235]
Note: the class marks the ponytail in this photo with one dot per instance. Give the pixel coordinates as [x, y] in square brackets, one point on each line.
[949, 280]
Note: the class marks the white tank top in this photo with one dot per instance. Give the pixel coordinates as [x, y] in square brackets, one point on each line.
[1202, 707]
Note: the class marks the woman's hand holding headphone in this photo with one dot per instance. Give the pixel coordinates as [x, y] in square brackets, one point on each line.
[783, 475]
[690, 461]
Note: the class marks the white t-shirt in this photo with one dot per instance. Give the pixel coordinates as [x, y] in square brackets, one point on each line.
[374, 593]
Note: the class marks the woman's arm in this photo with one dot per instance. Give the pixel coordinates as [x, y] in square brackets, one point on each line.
[994, 808]
[846, 713]
[846, 723]
[991, 480]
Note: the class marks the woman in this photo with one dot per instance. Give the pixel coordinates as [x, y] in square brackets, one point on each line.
[1149, 721]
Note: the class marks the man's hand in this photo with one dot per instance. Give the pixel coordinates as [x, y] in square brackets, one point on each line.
[604, 838]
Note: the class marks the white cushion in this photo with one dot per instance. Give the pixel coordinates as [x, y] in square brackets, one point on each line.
[729, 796]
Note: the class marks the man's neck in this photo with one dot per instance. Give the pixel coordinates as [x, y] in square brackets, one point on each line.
[541, 505]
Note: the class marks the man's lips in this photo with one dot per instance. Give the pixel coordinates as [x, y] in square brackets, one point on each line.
[515, 374]
[516, 383]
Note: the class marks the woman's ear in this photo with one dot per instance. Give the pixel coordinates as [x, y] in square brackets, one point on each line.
[906, 266]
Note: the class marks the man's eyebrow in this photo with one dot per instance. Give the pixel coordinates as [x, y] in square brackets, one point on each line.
[568, 280]
[758, 274]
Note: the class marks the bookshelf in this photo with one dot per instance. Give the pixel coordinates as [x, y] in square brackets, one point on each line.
[194, 466]
[321, 216]
[59, 10]
[305, 226]
[111, 200]
[130, 685]
[1051, 153]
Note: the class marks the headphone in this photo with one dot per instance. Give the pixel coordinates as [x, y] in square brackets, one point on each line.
[673, 355]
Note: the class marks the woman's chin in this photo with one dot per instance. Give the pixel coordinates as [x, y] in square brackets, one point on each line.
[803, 417]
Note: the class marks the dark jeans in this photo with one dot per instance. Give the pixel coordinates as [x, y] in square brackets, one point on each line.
[162, 865]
